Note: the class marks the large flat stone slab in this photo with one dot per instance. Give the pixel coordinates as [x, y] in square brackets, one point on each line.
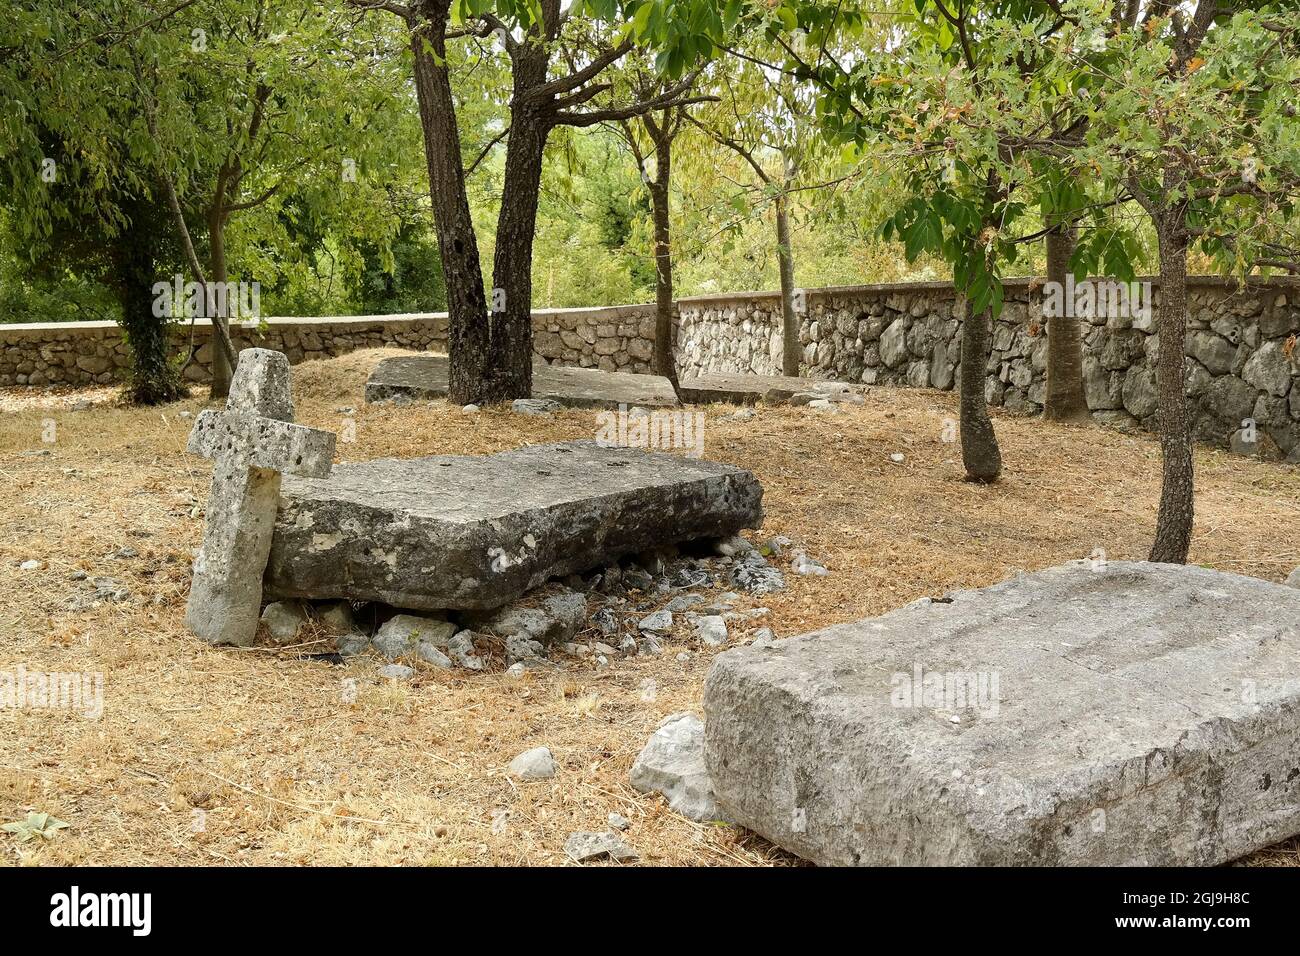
[1143, 714]
[424, 377]
[477, 531]
[737, 389]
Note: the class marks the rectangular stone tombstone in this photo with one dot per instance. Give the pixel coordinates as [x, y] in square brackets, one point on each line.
[251, 443]
[425, 377]
[1088, 714]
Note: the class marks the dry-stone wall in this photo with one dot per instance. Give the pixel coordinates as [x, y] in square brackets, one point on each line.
[1242, 359]
[93, 353]
[1243, 363]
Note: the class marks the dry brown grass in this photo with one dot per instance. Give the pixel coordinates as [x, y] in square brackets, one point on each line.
[288, 772]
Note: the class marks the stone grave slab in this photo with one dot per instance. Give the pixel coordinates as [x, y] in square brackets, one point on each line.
[1134, 713]
[737, 389]
[423, 377]
[474, 532]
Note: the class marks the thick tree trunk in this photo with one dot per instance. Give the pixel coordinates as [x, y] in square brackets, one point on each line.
[979, 445]
[155, 377]
[222, 373]
[790, 351]
[1065, 400]
[511, 342]
[665, 307]
[467, 332]
[1174, 522]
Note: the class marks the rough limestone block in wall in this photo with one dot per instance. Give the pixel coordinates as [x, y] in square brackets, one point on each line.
[1143, 714]
[478, 531]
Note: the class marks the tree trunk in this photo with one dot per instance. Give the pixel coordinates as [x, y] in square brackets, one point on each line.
[979, 445]
[1065, 400]
[790, 351]
[511, 341]
[155, 377]
[222, 373]
[665, 307]
[1174, 522]
[467, 331]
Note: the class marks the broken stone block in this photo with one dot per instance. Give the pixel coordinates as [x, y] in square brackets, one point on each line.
[424, 377]
[1113, 714]
[672, 763]
[476, 532]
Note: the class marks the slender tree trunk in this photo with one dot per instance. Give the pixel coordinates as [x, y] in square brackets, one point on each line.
[222, 373]
[511, 344]
[790, 351]
[1065, 396]
[1174, 522]
[979, 445]
[665, 306]
[467, 332]
[155, 377]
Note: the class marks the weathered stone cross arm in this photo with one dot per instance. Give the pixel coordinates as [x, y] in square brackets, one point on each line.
[263, 443]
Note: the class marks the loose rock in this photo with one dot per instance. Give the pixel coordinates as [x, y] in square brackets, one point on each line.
[283, 620]
[672, 763]
[802, 564]
[589, 846]
[535, 764]
[401, 634]
[711, 629]
[660, 622]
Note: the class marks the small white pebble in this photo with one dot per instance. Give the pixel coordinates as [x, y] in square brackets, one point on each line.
[896, 457]
[30, 565]
[470, 409]
[954, 719]
[683, 657]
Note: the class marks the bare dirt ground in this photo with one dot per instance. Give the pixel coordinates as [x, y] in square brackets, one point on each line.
[213, 756]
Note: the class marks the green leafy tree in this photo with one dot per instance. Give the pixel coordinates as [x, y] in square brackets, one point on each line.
[558, 57]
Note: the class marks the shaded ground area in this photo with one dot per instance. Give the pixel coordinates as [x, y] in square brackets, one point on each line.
[259, 756]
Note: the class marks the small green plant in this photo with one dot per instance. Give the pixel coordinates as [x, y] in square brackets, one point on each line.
[36, 825]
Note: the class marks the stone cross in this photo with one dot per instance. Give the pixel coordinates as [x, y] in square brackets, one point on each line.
[251, 444]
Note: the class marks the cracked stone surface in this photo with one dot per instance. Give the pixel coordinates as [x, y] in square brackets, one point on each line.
[474, 532]
[1143, 714]
[251, 443]
[424, 377]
